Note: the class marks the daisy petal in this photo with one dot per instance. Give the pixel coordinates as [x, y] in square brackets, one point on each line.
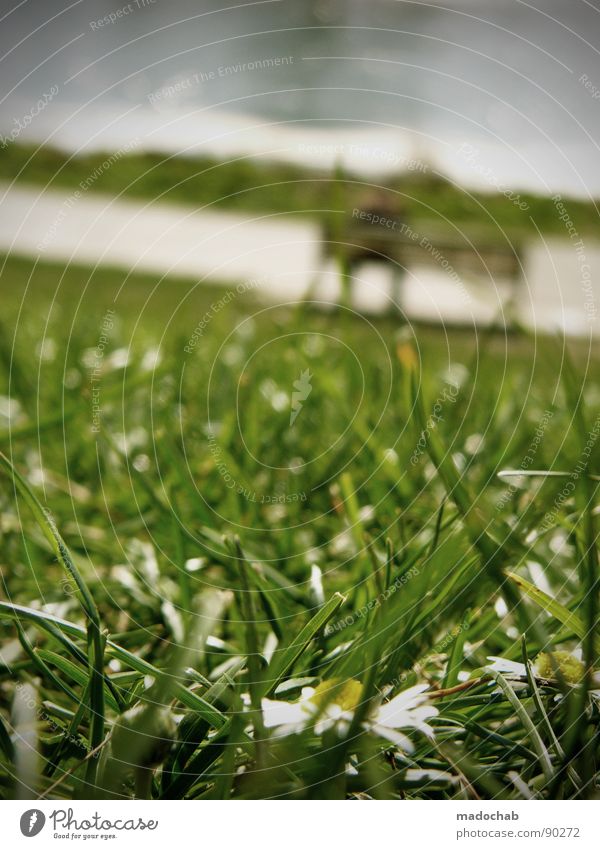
[400, 711]
[283, 713]
[395, 737]
[507, 667]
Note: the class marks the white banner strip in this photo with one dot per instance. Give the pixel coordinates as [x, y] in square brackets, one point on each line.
[289, 825]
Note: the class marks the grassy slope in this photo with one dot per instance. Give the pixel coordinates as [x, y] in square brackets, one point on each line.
[245, 184]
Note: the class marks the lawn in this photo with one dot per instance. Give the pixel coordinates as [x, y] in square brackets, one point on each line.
[252, 550]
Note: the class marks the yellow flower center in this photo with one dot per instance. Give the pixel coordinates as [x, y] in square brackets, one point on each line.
[551, 665]
[336, 691]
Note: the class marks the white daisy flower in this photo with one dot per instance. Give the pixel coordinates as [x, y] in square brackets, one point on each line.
[409, 709]
[332, 705]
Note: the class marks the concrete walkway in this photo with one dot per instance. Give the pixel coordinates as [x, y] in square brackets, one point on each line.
[281, 254]
[281, 250]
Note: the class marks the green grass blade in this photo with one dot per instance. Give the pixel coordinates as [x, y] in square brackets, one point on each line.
[570, 620]
[50, 531]
[94, 636]
[282, 665]
[6, 744]
[532, 732]
[74, 672]
[456, 655]
[50, 623]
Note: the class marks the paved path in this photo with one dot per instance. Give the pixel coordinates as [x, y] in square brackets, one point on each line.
[161, 238]
[560, 286]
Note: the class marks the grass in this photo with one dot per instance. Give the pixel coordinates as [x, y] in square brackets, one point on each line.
[175, 556]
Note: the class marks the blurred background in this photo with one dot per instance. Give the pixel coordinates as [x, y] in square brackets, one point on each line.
[415, 79]
[465, 131]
